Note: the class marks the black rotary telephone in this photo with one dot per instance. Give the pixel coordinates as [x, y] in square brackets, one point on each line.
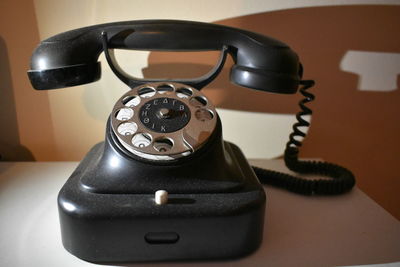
[164, 185]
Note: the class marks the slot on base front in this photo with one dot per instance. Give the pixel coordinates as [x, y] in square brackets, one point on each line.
[161, 237]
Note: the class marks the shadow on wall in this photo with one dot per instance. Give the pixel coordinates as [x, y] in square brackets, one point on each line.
[356, 128]
[10, 147]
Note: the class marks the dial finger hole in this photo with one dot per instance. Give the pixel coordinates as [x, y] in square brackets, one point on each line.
[141, 140]
[147, 92]
[127, 128]
[184, 92]
[131, 101]
[204, 114]
[124, 114]
[165, 88]
[198, 101]
[163, 144]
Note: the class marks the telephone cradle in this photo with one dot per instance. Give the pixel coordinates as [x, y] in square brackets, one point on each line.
[164, 185]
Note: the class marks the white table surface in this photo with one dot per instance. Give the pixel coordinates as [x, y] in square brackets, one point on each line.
[299, 231]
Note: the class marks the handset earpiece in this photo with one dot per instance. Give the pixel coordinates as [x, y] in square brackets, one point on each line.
[70, 58]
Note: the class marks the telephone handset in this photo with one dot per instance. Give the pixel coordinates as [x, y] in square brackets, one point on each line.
[70, 58]
[164, 185]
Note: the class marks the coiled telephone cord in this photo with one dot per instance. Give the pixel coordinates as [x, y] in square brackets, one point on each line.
[342, 180]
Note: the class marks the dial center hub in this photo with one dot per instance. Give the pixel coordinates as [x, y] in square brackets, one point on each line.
[164, 114]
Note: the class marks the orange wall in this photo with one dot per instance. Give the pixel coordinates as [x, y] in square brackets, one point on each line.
[26, 128]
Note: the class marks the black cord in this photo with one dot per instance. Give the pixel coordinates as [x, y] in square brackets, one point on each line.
[342, 180]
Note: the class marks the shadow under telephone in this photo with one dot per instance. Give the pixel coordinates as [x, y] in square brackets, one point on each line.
[164, 185]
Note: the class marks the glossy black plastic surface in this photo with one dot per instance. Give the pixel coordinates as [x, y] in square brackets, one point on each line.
[65, 76]
[260, 62]
[121, 225]
[212, 171]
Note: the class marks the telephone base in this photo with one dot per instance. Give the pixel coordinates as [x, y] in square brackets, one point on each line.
[107, 228]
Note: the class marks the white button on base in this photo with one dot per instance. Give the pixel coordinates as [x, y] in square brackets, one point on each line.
[161, 197]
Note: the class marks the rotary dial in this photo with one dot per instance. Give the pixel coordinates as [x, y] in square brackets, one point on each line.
[163, 121]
